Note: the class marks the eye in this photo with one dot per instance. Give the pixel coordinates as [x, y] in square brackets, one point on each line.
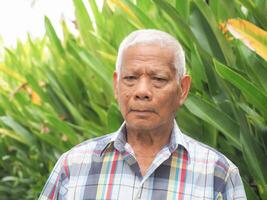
[130, 78]
[159, 81]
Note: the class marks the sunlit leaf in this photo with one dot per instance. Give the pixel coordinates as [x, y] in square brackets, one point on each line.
[12, 73]
[53, 36]
[124, 7]
[22, 132]
[252, 36]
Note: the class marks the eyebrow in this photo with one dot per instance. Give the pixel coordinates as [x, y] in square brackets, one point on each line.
[164, 73]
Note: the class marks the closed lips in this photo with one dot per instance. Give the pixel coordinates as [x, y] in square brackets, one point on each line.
[134, 110]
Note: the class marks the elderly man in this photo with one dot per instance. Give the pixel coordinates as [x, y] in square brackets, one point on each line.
[148, 157]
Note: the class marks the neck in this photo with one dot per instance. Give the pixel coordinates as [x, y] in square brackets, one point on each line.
[147, 143]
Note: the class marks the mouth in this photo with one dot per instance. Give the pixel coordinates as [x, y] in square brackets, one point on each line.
[143, 113]
[142, 110]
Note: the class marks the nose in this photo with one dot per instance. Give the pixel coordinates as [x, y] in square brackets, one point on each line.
[143, 90]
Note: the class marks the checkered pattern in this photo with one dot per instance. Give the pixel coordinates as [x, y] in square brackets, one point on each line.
[105, 168]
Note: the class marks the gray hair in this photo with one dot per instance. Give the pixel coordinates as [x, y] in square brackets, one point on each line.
[151, 36]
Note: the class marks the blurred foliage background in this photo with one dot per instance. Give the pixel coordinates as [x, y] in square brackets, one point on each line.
[56, 93]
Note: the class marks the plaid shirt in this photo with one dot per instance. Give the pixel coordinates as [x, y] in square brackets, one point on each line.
[106, 168]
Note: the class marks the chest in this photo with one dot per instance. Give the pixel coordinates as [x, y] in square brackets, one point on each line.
[144, 163]
[119, 179]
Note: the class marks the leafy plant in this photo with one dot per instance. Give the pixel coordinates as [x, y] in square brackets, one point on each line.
[56, 93]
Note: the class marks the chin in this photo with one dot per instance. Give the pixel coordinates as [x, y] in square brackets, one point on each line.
[141, 124]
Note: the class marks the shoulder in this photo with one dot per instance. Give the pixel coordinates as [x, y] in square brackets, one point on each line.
[84, 151]
[71, 162]
[215, 167]
[203, 154]
[92, 144]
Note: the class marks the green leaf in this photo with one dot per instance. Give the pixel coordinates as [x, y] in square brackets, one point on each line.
[192, 129]
[253, 154]
[254, 95]
[101, 113]
[255, 66]
[97, 14]
[209, 113]
[84, 23]
[13, 135]
[64, 128]
[114, 118]
[222, 10]
[143, 4]
[258, 12]
[23, 133]
[183, 7]
[144, 19]
[249, 191]
[185, 33]
[99, 69]
[71, 108]
[197, 70]
[53, 37]
[214, 37]
[33, 83]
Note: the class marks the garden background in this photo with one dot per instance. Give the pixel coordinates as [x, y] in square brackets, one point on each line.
[56, 93]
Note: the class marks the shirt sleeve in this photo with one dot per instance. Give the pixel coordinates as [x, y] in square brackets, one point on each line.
[234, 189]
[54, 188]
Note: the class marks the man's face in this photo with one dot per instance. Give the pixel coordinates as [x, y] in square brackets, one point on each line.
[147, 90]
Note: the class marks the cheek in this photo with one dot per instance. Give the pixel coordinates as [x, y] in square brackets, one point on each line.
[169, 102]
[123, 100]
[124, 96]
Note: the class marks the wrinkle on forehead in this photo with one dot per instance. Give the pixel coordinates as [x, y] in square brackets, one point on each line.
[153, 57]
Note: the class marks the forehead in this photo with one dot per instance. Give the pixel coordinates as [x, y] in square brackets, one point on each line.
[147, 55]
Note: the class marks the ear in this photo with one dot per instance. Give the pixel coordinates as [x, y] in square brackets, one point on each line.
[184, 86]
[115, 84]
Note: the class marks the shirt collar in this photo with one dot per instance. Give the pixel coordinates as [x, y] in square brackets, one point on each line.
[177, 138]
[118, 140]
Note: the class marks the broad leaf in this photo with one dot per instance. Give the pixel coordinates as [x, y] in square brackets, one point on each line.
[254, 94]
[252, 36]
[209, 113]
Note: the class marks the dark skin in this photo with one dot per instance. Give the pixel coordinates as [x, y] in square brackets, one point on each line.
[149, 95]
